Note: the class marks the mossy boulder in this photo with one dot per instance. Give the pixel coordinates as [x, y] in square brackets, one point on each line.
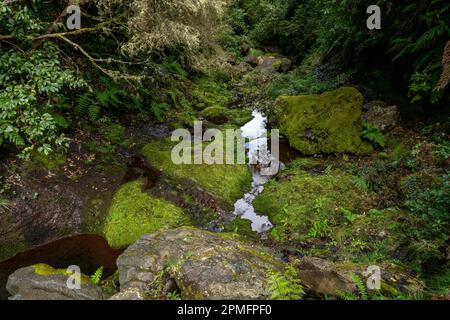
[226, 183]
[43, 282]
[203, 264]
[304, 204]
[324, 277]
[326, 123]
[134, 213]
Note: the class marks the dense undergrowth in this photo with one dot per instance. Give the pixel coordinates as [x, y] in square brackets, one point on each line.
[127, 67]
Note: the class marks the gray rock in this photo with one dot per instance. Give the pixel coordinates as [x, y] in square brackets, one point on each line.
[203, 265]
[383, 116]
[322, 277]
[129, 294]
[251, 60]
[26, 284]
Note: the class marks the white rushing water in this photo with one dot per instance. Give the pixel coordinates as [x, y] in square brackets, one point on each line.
[259, 154]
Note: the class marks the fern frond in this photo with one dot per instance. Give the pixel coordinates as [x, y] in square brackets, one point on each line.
[5, 204]
[84, 102]
[97, 276]
[93, 112]
[445, 75]
[360, 285]
[427, 38]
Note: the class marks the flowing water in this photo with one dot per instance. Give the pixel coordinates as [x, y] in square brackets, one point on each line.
[260, 157]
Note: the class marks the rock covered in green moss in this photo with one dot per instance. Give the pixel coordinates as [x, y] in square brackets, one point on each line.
[303, 204]
[204, 265]
[326, 123]
[134, 213]
[226, 183]
[43, 282]
[324, 277]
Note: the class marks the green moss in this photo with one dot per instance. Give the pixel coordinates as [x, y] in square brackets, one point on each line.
[94, 215]
[113, 132]
[215, 114]
[303, 205]
[226, 183]
[255, 52]
[134, 213]
[277, 65]
[210, 93]
[241, 227]
[53, 162]
[9, 249]
[46, 270]
[328, 123]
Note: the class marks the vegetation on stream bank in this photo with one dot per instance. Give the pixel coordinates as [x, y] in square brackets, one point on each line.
[86, 117]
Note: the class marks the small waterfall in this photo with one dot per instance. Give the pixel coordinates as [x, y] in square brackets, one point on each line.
[260, 157]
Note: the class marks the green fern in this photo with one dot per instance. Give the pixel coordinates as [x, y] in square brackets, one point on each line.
[372, 134]
[97, 276]
[5, 204]
[94, 112]
[348, 296]
[111, 97]
[87, 106]
[159, 110]
[285, 286]
[362, 292]
[84, 102]
[174, 296]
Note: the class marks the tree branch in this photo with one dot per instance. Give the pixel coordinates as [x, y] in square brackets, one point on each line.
[110, 73]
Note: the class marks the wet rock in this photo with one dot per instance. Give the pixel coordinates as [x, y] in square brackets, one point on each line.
[326, 123]
[269, 63]
[42, 282]
[322, 277]
[129, 294]
[251, 60]
[204, 265]
[245, 48]
[286, 65]
[382, 116]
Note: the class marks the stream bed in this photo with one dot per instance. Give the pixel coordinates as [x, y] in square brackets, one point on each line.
[260, 157]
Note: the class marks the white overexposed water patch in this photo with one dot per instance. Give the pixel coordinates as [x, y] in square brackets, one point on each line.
[259, 155]
[256, 128]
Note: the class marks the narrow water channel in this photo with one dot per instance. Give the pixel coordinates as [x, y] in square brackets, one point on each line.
[259, 154]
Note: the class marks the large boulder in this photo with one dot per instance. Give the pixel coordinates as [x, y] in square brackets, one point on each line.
[269, 63]
[134, 212]
[129, 294]
[42, 282]
[322, 277]
[225, 183]
[202, 264]
[305, 200]
[326, 123]
[380, 115]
